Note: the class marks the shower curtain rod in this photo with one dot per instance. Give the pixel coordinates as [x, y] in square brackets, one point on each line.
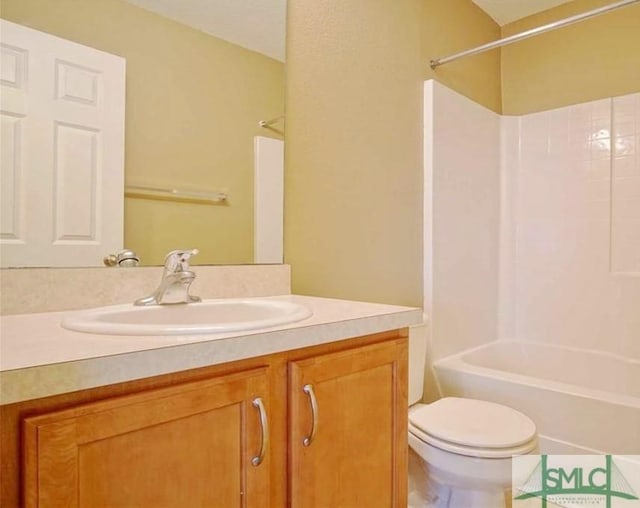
[268, 123]
[531, 33]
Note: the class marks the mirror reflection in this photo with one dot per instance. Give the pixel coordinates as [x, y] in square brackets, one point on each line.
[194, 98]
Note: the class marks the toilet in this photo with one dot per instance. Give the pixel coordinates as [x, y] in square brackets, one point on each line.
[462, 448]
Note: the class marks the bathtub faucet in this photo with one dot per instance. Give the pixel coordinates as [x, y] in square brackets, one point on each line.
[176, 281]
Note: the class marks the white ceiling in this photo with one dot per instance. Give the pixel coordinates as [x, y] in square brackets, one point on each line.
[258, 25]
[506, 11]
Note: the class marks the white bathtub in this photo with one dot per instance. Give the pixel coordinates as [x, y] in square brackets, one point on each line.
[581, 401]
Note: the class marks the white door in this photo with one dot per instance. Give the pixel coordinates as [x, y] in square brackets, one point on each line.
[62, 159]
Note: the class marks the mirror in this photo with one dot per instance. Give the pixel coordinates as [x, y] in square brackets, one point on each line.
[194, 98]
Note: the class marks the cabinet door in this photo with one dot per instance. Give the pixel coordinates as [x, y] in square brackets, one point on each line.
[188, 445]
[348, 421]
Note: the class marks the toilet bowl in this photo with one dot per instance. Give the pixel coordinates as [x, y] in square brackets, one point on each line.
[465, 446]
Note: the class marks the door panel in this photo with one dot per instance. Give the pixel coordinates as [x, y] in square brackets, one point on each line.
[62, 108]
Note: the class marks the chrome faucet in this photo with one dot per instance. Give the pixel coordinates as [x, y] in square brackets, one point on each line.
[176, 280]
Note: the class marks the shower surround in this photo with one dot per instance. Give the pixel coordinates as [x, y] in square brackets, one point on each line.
[571, 229]
[532, 227]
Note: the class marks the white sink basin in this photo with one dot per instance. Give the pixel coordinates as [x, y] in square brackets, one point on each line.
[208, 316]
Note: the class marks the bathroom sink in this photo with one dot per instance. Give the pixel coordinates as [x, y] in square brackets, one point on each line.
[208, 316]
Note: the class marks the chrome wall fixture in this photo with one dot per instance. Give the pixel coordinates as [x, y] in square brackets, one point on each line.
[533, 32]
[269, 123]
[163, 193]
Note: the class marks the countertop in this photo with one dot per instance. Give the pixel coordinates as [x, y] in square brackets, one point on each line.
[39, 358]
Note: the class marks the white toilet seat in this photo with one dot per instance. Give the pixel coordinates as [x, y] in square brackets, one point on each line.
[469, 451]
[473, 428]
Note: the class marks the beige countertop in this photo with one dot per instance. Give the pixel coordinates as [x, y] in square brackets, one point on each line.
[39, 358]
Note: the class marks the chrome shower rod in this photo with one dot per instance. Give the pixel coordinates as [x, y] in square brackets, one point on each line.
[533, 32]
[268, 123]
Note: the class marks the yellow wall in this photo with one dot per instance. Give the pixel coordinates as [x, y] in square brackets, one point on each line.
[451, 26]
[193, 104]
[596, 58]
[353, 198]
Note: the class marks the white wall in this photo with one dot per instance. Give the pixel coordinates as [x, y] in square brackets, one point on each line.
[532, 224]
[574, 264]
[268, 200]
[462, 208]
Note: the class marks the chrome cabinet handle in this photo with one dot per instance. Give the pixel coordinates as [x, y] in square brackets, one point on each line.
[308, 389]
[264, 424]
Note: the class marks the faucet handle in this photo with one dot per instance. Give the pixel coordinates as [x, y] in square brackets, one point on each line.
[178, 260]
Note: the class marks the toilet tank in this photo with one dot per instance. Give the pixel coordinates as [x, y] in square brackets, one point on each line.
[417, 359]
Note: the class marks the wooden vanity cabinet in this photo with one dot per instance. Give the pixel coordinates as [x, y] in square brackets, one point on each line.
[188, 445]
[348, 428]
[189, 438]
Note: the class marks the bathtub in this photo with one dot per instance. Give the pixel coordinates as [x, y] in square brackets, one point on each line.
[581, 401]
